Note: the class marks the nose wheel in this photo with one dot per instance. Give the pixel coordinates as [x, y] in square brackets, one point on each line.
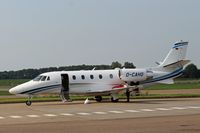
[29, 102]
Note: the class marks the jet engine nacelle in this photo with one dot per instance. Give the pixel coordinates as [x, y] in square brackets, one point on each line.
[135, 75]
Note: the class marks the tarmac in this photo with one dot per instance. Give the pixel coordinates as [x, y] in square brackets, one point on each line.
[176, 115]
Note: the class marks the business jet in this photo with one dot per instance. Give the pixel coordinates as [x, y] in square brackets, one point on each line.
[99, 83]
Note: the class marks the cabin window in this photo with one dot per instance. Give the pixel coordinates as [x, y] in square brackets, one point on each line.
[83, 77]
[111, 76]
[74, 77]
[92, 76]
[43, 78]
[48, 78]
[100, 76]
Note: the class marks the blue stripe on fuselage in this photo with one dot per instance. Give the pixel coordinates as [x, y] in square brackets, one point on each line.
[36, 90]
[168, 76]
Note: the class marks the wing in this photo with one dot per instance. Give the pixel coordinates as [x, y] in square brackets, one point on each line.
[119, 88]
[108, 89]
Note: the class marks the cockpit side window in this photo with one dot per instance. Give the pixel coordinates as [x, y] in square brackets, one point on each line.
[48, 78]
[37, 78]
[43, 78]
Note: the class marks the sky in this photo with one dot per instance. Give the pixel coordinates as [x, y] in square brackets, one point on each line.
[53, 33]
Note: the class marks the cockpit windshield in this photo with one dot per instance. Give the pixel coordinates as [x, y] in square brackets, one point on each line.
[41, 78]
[37, 78]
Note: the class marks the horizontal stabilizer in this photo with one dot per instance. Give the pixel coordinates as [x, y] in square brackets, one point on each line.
[178, 63]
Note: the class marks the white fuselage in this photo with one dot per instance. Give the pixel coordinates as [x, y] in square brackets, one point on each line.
[92, 81]
[80, 82]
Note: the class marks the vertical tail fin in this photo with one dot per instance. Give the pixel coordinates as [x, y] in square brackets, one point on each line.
[173, 64]
[176, 55]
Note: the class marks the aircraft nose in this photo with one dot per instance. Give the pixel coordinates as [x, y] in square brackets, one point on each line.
[12, 91]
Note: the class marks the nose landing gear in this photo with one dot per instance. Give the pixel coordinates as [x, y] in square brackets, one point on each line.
[29, 102]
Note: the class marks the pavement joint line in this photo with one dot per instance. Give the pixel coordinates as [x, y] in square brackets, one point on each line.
[193, 107]
[66, 114]
[132, 111]
[178, 108]
[163, 109]
[15, 116]
[147, 110]
[33, 116]
[116, 112]
[1, 117]
[84, 113]
[50, 115]
[100, 113]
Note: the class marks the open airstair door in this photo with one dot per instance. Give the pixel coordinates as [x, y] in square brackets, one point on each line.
[65, 87]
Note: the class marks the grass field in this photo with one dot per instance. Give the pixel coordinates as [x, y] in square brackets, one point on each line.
[175, 86]
[12, 82]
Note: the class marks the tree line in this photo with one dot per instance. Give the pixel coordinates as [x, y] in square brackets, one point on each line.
[32, 73]
[191, 71]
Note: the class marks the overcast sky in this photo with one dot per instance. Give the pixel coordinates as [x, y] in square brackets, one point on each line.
[45, 33]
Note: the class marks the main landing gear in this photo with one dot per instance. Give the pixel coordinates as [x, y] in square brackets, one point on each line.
[114, 100]
[29, 102]
[98, 98]
[135, 91]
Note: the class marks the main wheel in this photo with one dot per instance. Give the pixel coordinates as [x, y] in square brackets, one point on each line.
[114, 101]
[98, 98]
[28, 103]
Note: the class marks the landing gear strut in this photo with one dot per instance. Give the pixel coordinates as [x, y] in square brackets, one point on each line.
[29, 102]
[128, 95]
[114, 98]
[137, 91]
